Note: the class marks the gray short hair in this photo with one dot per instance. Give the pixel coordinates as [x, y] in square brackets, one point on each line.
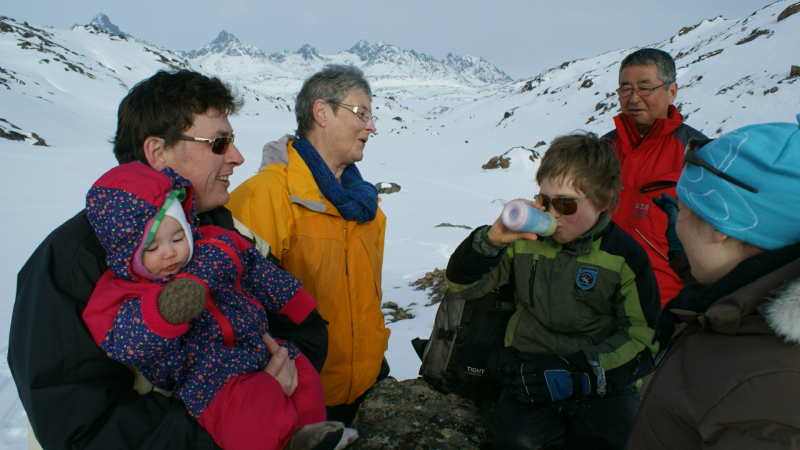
[652, 57]
[331, 84]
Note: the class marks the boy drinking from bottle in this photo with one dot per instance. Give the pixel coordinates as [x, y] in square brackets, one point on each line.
[586, 300]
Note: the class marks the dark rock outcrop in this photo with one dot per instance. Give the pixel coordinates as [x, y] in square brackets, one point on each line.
[387, 188]
[410, 415]
[495, 162]
[12, 135]
[791, 10]
[435, 281]
[753, 35]
[446, 224]
[39, 141]
[396, 312]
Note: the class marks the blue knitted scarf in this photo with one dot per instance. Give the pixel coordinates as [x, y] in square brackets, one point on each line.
[354, 198]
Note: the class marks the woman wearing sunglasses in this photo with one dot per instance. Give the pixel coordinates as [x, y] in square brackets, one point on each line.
[322, 221]
[586, 299]
[728, 372]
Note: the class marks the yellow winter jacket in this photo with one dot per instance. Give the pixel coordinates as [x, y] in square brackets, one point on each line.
[338, 261]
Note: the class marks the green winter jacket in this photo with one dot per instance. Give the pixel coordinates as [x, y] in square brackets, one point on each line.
[596, 295]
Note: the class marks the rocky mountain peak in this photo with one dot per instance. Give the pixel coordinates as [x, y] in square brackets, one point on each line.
[226, 44]
[309, 53]
[102, 22]
[363, 50]
[225, 38]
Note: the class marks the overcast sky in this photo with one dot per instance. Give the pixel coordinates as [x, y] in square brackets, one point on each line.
[520, 37]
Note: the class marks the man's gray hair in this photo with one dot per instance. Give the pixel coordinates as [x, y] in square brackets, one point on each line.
[331, 84]
[652, 57]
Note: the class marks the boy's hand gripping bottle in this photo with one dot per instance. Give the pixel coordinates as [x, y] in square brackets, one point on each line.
[520, 216]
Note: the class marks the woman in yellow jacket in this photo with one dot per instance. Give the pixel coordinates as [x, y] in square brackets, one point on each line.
[322, 221]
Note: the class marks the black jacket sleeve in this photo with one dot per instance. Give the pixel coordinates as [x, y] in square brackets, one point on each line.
[75, 396]
[467, 266]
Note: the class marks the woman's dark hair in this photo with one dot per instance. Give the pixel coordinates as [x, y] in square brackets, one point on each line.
[164, 105]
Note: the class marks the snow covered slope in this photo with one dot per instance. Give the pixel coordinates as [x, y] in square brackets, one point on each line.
[438, 126]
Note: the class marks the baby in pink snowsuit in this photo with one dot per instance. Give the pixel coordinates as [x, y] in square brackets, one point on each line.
[187, 307]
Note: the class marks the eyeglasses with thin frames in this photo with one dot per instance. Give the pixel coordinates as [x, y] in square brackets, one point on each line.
[362, 113]
[627, 91]
[565, 206]
[218, 145]
[691, 157]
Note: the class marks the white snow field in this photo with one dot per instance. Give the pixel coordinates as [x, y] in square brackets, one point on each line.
[65, 86]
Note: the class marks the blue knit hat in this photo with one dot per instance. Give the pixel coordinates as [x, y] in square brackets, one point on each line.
[764, 156]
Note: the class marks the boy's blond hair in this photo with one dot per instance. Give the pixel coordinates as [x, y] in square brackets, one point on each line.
[589, 162]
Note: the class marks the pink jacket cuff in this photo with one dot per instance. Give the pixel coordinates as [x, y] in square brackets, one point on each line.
[154, 321]
[299, 307]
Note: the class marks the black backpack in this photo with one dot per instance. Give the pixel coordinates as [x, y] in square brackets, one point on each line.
[464, 334]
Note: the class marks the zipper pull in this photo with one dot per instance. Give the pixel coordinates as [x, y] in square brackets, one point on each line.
[530, 281]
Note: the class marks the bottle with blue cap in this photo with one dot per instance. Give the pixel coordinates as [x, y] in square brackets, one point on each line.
[520, 216]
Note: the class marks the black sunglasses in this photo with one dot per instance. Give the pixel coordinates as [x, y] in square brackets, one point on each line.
[690, 157]
[565, 206]
[218, 145]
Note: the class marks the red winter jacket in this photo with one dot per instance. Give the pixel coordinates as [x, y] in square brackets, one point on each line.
[651, 165]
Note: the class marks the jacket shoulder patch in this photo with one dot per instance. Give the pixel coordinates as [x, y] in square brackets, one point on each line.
[586, 278]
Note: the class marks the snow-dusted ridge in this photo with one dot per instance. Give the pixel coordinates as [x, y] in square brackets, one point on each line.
[377, 61]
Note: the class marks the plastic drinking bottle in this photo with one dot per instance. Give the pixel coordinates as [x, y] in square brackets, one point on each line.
[520, 216]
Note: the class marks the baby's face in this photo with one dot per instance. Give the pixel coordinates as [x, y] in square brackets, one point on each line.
[169, 251]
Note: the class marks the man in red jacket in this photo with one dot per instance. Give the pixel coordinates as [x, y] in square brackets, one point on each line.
[650, 139]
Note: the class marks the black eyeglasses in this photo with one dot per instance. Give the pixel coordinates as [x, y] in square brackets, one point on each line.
[565, 206]
[218, 145]
[627, 91]
[690, 157]
[362, 113]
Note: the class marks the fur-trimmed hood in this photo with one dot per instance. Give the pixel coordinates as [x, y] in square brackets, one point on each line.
[783, 314]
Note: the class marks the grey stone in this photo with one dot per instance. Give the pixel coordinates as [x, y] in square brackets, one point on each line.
[411, 415]
[445, 224]
[383, 189]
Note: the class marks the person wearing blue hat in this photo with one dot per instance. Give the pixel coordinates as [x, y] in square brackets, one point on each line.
[728, 372]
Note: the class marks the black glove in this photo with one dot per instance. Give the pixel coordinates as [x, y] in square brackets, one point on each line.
[669, 205]
[535, 378]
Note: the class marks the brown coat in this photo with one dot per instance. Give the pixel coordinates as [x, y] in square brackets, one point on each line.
[732, 381]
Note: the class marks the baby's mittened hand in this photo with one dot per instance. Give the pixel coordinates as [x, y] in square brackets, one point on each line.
[181, 300]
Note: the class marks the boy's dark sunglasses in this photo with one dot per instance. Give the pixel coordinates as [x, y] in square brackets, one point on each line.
[690, 157]
[218, 145]
[565, 206]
